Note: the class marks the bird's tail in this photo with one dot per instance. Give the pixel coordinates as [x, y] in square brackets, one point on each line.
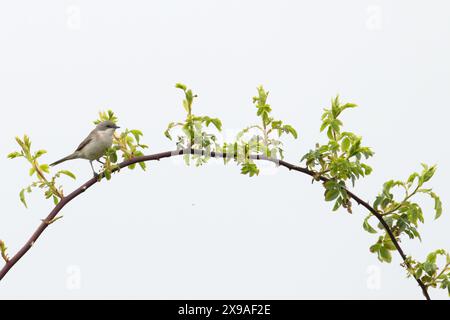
[72, 156]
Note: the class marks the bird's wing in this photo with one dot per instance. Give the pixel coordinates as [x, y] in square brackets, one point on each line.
[85, 142]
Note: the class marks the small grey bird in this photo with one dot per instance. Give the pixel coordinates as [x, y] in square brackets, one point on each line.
[95, 145]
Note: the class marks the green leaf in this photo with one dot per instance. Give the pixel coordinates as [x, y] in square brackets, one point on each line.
[22, 198]
[437, 205]
[216, 122]
[137, 134]
[388, 244]
[367, 169]
[330, 133]
[412, 177]
[189, 96]
[347, 106]
[48, 194]
[375, 248]
[13, 155]
[67, 173]
[335, 125]
[367, 226]
[428, 172]
[27, 141]
[335, 106]
[337, 204]
[249, 168]
[113, 156]
[384, 255]
[431, 257]
[430, 268]
[187, 159]
[331, 194]
[167, 132]
[289, 129]
[181, 86]
[324, 125]
[45, 168]
[277, 124]
[345, 145]
[39, 153]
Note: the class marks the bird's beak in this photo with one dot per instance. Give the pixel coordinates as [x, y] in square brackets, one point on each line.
[116, 127]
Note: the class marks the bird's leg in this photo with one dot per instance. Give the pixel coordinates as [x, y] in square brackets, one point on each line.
[98, 160]
[95, 173]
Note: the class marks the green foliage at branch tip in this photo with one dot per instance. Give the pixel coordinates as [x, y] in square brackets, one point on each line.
[189, 97]
[402, 216]
[41, 172]
[250, 168]
[330, 118]
[106, 116]
[3, 249]
[261, 139]
[341, 158]
[264, 110]
[126, 145]
[429, 271]
[193, 133]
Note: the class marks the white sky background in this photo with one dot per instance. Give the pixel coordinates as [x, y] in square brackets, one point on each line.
[178, 232]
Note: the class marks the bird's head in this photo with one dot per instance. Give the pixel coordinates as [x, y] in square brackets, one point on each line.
[107, 126]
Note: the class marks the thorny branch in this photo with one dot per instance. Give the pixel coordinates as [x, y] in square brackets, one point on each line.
[158, 156]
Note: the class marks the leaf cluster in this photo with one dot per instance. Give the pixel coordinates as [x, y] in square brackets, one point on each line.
[193, 133]
[41, 172]
[429, 271]
[340, 159]
[402, 216]
[263, 138]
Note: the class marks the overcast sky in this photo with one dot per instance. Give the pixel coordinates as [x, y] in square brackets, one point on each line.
[185, 232]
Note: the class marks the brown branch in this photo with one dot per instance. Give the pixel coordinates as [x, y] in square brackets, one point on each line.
[158, 156]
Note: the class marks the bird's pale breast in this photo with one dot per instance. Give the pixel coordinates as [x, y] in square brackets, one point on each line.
[98, 146]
